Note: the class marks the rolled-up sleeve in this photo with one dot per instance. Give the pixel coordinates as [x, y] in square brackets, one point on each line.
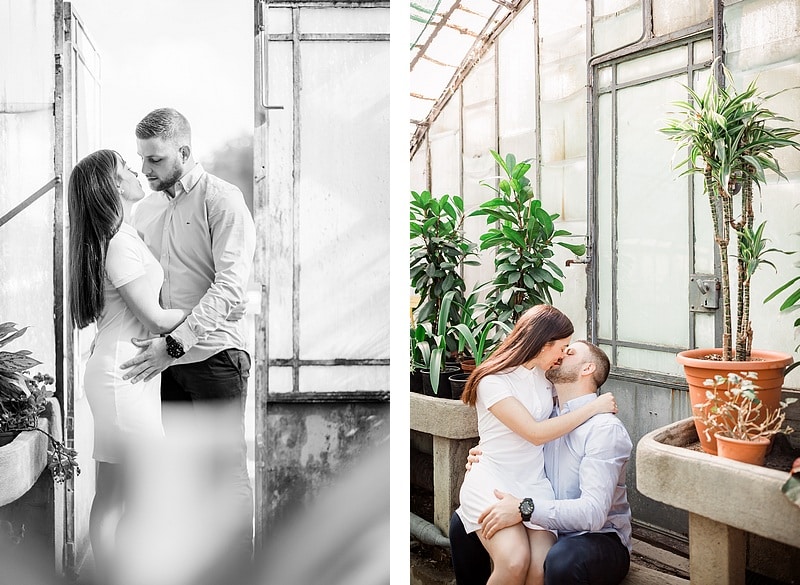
[233, 240]
[600, 471]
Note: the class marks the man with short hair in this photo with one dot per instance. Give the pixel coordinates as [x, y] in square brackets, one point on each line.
[587, 469]
[200, 229]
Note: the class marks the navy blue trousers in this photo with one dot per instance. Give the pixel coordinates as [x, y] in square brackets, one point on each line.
[594, 558]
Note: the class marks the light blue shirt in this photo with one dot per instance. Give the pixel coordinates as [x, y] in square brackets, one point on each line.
[587, 470]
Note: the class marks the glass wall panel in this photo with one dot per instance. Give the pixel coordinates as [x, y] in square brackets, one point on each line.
[516, 64]
[281, 183]
[652, 231]
[445, 145]
[616, 23]
[559, 15]
[344, 379]
[336, 20]
[650, 361]
[605, 173]
[343, 208]
[653, 64]
[280, 379]
[279, 20]
[761, 32]
[674, 15]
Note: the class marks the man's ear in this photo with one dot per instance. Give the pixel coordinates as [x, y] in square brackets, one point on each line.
[588, 368]
[186, 152]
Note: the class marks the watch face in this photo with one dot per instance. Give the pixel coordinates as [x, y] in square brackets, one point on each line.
[526, 507]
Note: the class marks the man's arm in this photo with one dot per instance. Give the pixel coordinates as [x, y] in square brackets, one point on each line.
[600, 471]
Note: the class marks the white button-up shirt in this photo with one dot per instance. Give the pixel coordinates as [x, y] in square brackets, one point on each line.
[587, 469]
[204, 238]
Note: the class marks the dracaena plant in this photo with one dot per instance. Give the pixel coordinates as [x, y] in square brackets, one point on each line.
[731, 138]
[523, 235]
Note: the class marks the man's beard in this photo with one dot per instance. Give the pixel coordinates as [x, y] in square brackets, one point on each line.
[169, 182]
[560, 375]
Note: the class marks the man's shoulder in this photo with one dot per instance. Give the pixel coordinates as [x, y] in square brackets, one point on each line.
[606, 426]
[218, 187]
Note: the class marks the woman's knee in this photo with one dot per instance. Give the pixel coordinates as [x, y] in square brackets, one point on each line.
[515, 561]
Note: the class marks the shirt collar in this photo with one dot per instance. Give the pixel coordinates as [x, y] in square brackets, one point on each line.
[576, 403]
[190, 179]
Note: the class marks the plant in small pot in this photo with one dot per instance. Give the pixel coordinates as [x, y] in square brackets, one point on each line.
[522, 235]
[433, 350]
[23, 399]
[475, 337]
[731, 139]
[740, 421]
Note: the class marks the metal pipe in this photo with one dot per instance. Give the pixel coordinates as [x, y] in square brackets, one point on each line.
[427, 533]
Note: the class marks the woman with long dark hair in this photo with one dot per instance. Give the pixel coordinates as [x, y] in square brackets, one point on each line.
[115, 281]
[514, 401]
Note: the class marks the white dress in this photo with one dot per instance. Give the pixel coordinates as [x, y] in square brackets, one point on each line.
[122, 411]
[508, 462]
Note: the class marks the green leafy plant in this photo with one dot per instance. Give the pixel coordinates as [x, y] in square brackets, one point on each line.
[432, 343]
[439, 249]
[733, 409]
[792, 300]
[23, 399]
[522, 234]
[476, 339]
[731, 145]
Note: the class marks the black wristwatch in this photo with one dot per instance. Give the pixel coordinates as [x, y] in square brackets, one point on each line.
[526, 509]
[174, 347]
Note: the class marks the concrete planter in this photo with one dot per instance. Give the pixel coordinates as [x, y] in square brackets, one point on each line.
[21, 463]
[725, 499]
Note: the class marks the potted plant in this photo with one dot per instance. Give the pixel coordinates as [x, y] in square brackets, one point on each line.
[740, 421]
[522, 235]
[731, 141]
[24, 399]
[791, 302]
[432, 347]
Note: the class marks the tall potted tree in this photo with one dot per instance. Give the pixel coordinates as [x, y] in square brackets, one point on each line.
[731, 138]
[522, 234]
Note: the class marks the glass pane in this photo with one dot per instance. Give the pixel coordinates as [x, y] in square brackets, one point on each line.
[343, 193]
[673, 15]
[605, 172]
[704, 324]
[564, 190]
[616, 23]
[652, 232]
[26, 56]
[652, 361]
[445, 145]
[517, 117]
[604, 77]
[344, 20]
[703, 51]
[280, 379]
[761, 32]
[560, 15]
[653, 64]
[279, 20]
[344, 378]
[280, 202]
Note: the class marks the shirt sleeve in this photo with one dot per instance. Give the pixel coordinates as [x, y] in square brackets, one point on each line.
[233, 243]
[492, 389]
[608, 449]
[124, 262]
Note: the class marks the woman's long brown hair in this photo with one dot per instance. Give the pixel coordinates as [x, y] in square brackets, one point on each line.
[95, 214]
[536, 327]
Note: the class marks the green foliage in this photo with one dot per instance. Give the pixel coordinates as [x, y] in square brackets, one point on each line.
[730, 143]
[438, 251]
[432, 343]
[792, 301]
[523, 235]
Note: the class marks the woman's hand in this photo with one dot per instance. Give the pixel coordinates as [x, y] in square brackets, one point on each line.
[606, 403]
[474, 456]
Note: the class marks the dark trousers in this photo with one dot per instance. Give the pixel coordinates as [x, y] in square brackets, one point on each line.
[594, 558]
[215, 391]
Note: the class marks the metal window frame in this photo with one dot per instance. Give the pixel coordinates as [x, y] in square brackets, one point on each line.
[647, 44]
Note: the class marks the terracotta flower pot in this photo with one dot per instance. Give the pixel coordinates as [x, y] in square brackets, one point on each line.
[753, 451]
[770, 366]
[467, 365]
